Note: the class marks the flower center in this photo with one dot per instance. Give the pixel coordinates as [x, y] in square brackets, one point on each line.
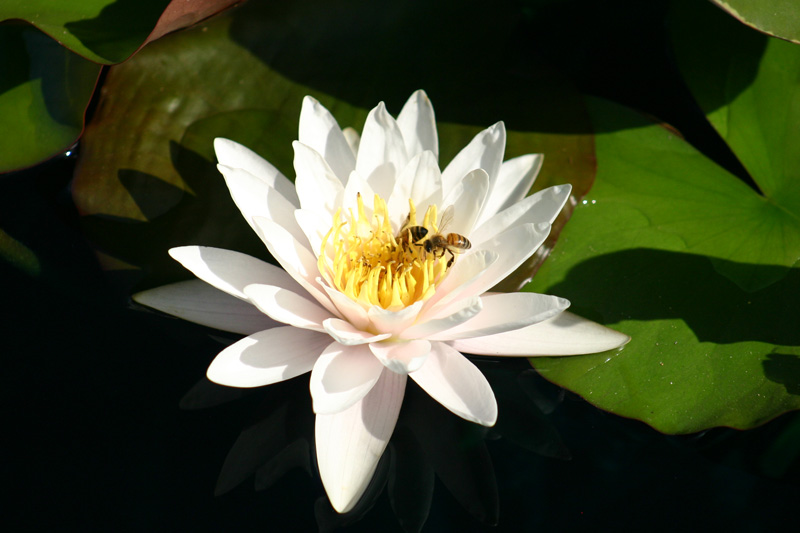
[365, 259]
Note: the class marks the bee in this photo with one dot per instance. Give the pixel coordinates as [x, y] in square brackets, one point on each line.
[441, 243]
[410, 234]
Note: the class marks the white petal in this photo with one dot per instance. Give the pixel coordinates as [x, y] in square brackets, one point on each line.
[355, 185]
[199, 302]
[287, 307]
[231, 271]
[320, 131]
[382, 179]
[350, 443]
[318, 188]
[254, 198]
[542, 206]
[418, 125]
[464, 271]
[268, 357]
[420, 181]
[506, 312]
[295, 259]
[402, 357]
[512, 247]
[341, 376]
[234, 155]
[381, 142]
[484, 151]
[353, 139]
[513, 182]
[467, 198]
[458, 313]
[345, 333]
[393, 322]
[350, 310]
[453, 381]
[564, 334]
[314, 226]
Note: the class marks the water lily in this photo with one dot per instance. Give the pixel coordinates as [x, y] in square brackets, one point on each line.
[371, 292]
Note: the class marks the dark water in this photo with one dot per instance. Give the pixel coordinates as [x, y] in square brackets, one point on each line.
[95, 437]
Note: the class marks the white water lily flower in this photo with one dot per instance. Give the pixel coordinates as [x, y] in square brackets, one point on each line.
[362, 301]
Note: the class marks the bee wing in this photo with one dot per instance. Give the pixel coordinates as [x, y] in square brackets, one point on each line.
[447, 218]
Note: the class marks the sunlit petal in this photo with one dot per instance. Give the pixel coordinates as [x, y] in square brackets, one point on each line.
[564, 334]
[268, 357]
[457, 384]
[342, 376]
[350, 443]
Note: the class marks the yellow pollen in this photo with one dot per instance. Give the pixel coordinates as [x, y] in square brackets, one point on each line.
[363, 258]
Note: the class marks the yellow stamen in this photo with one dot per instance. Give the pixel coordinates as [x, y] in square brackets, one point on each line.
[361, 257]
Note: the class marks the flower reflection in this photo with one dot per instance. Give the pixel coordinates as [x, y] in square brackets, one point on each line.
[428, 443]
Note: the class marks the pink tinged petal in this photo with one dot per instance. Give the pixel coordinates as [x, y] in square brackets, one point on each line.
[458, 313]
[234, 155]
[318, 188]
[484, 151]
[420, 181]
[453, 381]
[199, 302]
[320, 131]
[542, 206]
[418, 125]
[287, 307]
[353, 139]
[467, 197]
[564, 334]
[268, 357]
[393, 322]
[512, 247]
[467, 269]
[352, 311]
[350, 443]
[347, 334]
[513, 182]
[506, 312]
[402, 357]
[231, 271]
[254, 198]
[381, 143]
[342, 376]
[295, 259]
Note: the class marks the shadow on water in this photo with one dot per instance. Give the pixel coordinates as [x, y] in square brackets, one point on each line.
[204, 216]
[622, 286]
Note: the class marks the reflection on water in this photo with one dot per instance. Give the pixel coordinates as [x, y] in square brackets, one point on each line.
[429, 442]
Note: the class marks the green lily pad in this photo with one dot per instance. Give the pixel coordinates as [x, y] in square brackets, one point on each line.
[696, 267]
[146, 179]
[779, 18]
[747, 85]
[109, 31]
[44, 91]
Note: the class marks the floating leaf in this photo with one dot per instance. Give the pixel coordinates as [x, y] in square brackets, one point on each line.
[779, 18]
[44, 91]
[653, 249]
[109, 31]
